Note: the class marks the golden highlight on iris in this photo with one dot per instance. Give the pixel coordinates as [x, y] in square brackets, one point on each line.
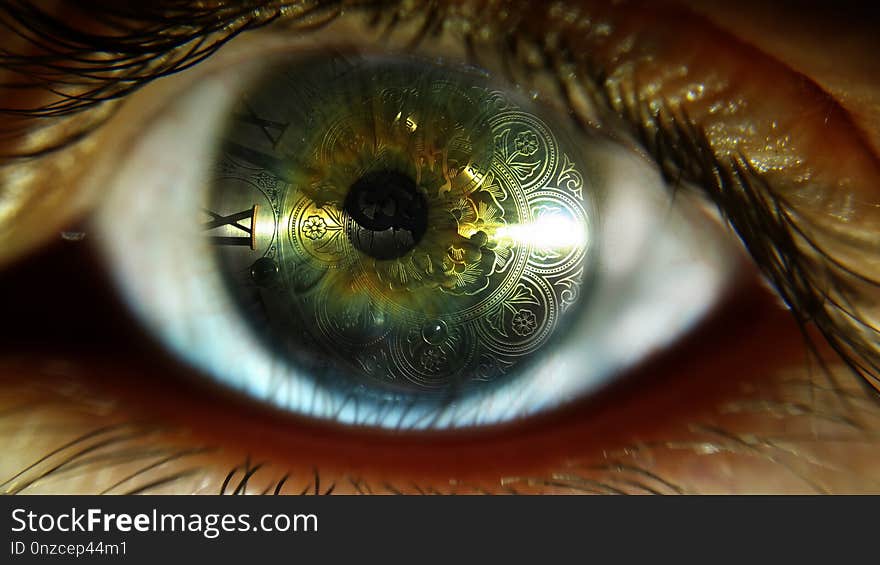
[428, 231]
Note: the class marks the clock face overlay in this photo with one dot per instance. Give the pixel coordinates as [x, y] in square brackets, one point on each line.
[402, 228]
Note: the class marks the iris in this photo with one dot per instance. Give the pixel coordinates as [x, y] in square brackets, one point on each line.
[421, 221]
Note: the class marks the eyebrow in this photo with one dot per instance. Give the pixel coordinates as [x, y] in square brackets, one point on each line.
[94, 53]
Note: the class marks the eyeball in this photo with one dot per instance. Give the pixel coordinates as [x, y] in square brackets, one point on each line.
[397, 242]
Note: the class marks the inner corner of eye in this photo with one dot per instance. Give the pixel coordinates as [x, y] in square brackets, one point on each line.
[388, 241]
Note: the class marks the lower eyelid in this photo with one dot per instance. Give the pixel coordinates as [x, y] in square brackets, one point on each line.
[94, 388]
[482, 461]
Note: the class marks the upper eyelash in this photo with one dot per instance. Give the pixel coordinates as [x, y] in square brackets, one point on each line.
[161, 39]
[167, 37]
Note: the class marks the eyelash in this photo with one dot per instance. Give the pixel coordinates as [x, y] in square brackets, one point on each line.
[766, 223]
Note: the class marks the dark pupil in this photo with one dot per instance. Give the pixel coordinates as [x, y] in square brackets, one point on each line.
[390, 214]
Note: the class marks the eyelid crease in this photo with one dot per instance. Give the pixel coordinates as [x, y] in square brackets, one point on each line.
[848, 77]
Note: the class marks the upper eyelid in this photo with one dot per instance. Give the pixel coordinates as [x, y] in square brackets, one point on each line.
[61, 75]
[680, 146]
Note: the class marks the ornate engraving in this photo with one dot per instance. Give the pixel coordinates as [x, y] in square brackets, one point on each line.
[502, 259]
[570, 178]
[314, 227]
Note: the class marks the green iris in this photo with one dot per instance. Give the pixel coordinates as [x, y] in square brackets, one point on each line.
[427, 232]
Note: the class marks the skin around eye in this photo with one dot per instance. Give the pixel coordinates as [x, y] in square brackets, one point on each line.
[776, 426]
[849, 76]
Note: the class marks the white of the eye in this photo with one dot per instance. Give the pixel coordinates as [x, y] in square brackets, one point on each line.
[661, 268]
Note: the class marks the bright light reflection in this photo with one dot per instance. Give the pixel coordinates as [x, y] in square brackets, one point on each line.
[548, 232]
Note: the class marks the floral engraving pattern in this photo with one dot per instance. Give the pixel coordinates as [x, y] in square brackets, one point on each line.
[481, 268]
[314, 227]
[524, 322]
[526, 143]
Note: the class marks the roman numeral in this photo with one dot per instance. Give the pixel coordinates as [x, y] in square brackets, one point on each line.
[271, 129]
[218, 221]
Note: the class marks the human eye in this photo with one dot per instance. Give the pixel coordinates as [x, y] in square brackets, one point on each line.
[627, 465]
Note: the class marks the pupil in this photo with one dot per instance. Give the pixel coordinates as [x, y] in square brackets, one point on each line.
[390, 214]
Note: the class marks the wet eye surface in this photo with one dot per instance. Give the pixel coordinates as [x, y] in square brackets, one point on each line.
[401, 242]
[422, 223]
